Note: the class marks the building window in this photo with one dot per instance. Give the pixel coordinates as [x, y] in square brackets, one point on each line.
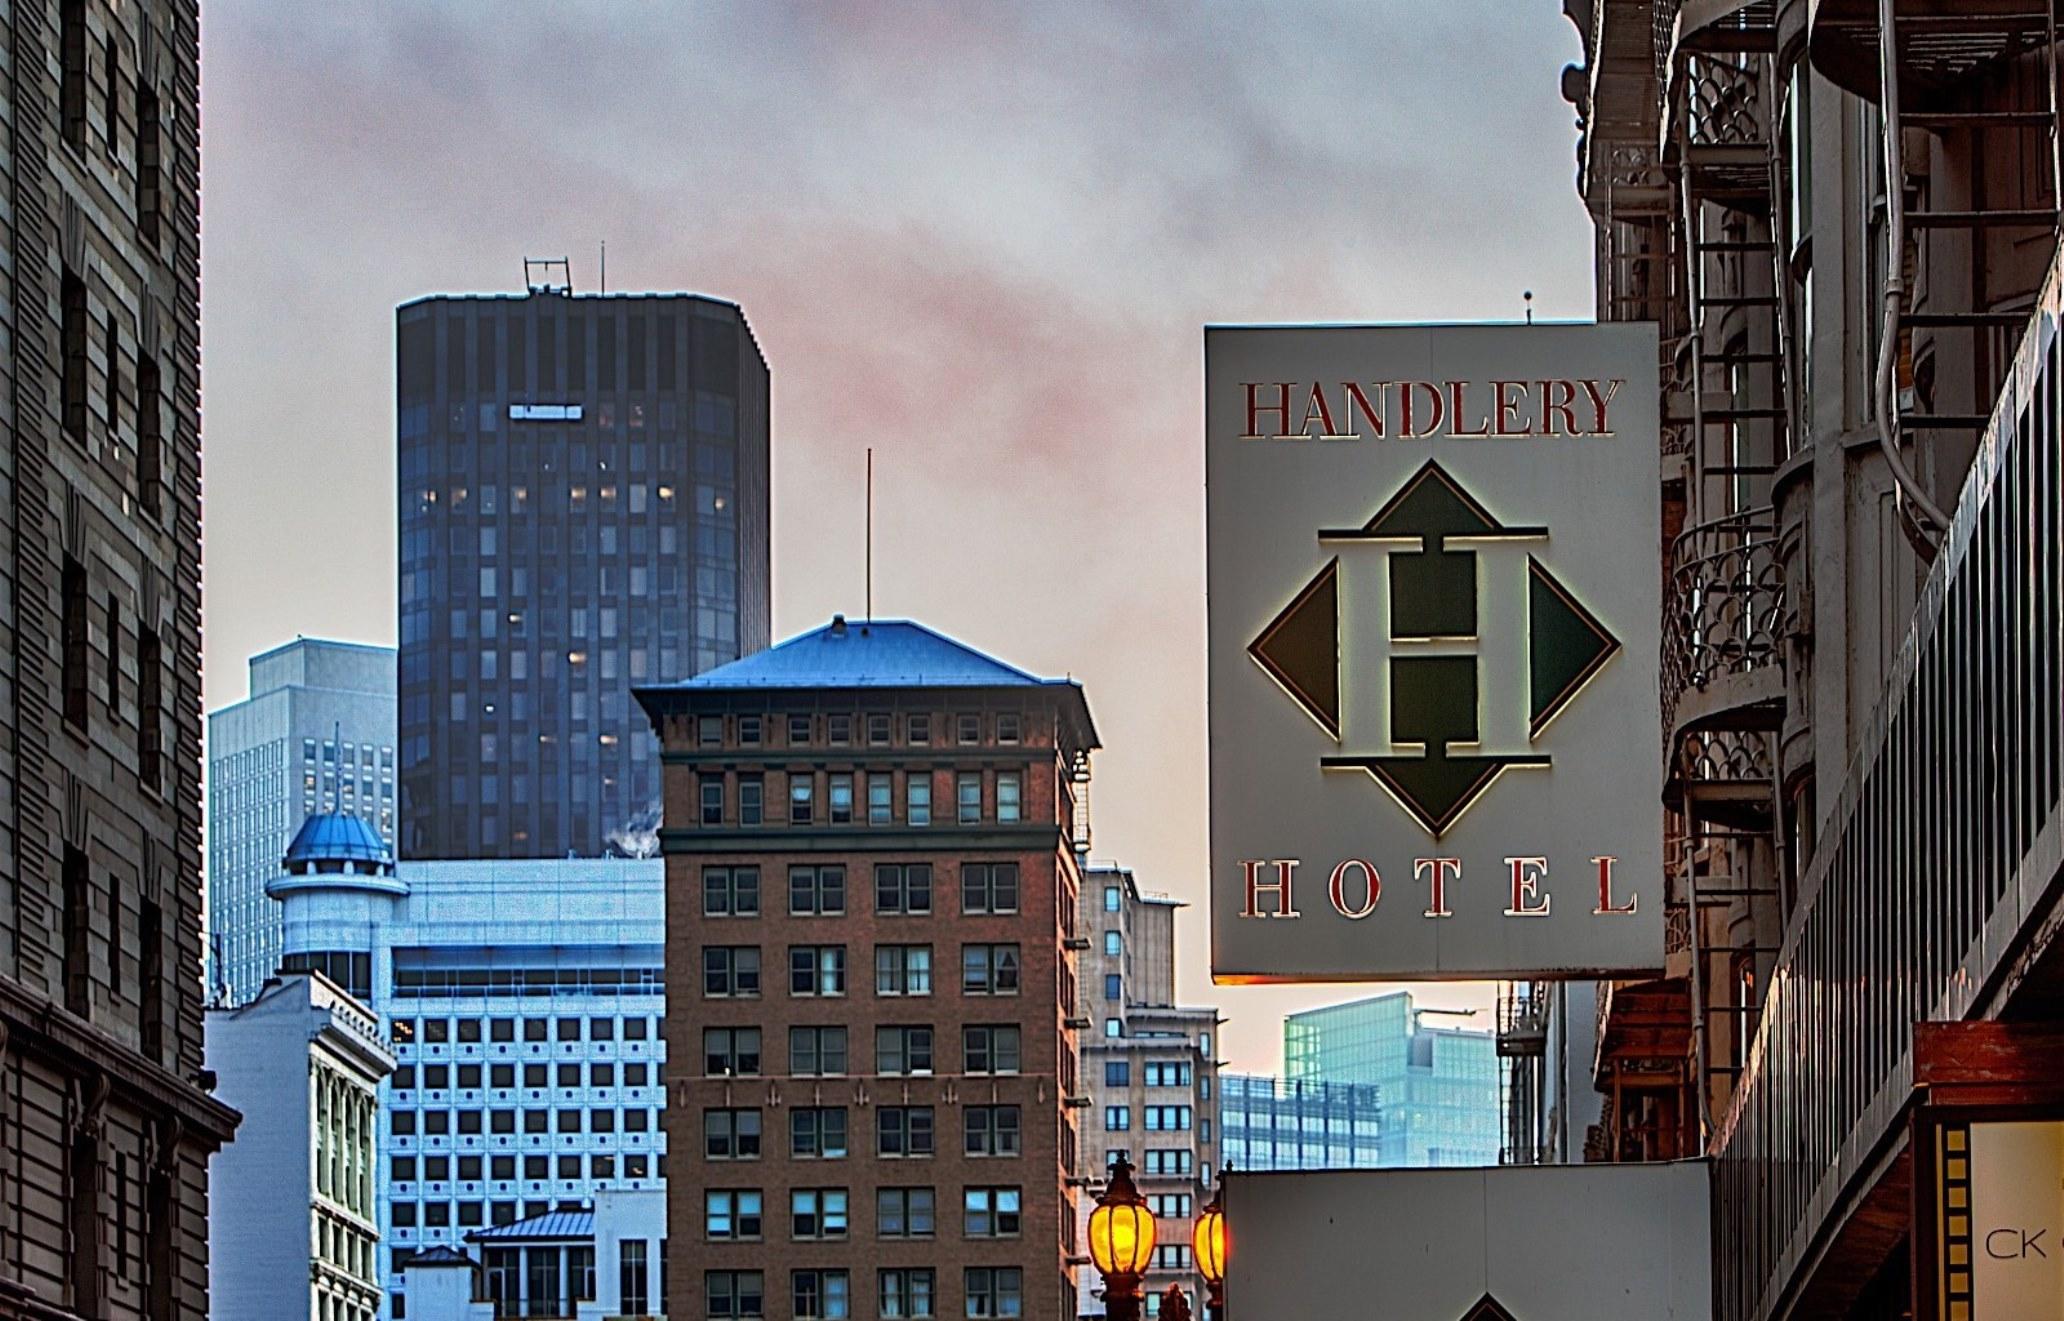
[903, 1130]
[816, 970]
[906, 1294]
[968, 727]
[902, 969]
[713, 800]
[920, 726]
[1117, 1118]
[1172, 1256]
[991, 1213]
[903, 887]
[1168, 1073]
[1113, 985]
[881, 791]
[820, 1295]
[817, 1213]
[630, 1276]
[842, 799]
[992, 1130]
[904, 1212]
[71, 41]
[838, 729]
[752, 792]
[749, 731]
[729, 1052]
[968, 787]
[990, 1049]
[73, 332]
[815, 1052]
[816, 891]
[730, 970]
[917, 798]
[1117, 1073]
[995, 1291]
[731, 1134]
[77, 647]
[1114, 944]
[730, 891]
[801, 798]
[709, 731]
[1009, 796]
[1111, 899]
[989, 887]
[878, 729]
[1008, 727]
[817, 1132]
[798, 731]
[903, 1050]
[1168, 1118]
[733, 1295]
[731, 1214]
[989, 969]
[149, 163]
[1111, 1027]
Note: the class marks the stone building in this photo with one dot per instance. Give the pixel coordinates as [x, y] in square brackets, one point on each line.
[872, 893]
[104, 1113]
[1846, 229]
[294, 1212]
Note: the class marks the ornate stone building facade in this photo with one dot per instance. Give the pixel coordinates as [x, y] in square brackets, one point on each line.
[106, 1125]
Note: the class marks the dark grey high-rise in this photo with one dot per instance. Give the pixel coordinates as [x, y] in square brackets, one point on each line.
[583, 507]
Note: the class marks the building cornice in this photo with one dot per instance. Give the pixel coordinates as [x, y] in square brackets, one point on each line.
[863, 839]
[34, 1023]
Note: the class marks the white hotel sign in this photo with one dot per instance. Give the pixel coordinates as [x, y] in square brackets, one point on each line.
[1434, 578]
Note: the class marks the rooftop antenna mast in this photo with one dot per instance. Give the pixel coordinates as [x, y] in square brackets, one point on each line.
[870, 532]
[1529, 297]
[605, 266]
[537, 275]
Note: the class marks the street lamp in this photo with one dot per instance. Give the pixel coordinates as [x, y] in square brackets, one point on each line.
[1209, 1240]
[1121, 1242]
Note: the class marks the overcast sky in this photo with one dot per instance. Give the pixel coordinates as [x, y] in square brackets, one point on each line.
[981, 238]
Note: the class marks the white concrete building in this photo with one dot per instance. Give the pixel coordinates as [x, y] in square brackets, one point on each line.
[601, 1264]
[314, 734]
[524, 1000]
[294, 1230]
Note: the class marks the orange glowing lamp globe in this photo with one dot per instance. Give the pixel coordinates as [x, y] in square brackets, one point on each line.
[1121, 1229]
[1209, 1240]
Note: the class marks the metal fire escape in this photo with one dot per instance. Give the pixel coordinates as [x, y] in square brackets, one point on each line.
[1723, 684]
[1977, 83]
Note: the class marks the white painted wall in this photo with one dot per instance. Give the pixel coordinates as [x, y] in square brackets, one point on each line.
[1551, 1243]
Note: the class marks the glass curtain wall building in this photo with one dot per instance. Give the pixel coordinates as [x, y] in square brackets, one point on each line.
[583, 507]
[1439, 1085]
[1306, 1124]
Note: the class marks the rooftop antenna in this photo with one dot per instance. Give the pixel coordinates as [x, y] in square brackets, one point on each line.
[870, 532]
[1529, 296]
[537, 275]
[605, 266]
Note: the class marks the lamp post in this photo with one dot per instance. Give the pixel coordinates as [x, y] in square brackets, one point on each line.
[1209, 1240]
[1175, 1304]
[1121, 1242]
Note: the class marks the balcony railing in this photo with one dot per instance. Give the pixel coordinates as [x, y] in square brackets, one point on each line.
[1726, 608]
[1723, 100]
[1940, 852]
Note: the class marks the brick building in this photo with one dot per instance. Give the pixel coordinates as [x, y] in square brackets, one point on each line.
[871, 1005]
[106, 1129]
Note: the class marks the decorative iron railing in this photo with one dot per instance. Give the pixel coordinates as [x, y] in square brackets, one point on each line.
[1725, 605]
[1943, 846]
[1723, 102]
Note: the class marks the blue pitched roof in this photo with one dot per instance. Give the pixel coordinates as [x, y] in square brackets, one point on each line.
[551, 1225]
[336, 836]
[871, 653]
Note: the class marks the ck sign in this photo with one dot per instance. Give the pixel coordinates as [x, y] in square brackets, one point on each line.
[2001, 1259]
[1434, 580]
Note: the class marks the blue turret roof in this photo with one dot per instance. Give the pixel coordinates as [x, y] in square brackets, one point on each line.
[336, 837]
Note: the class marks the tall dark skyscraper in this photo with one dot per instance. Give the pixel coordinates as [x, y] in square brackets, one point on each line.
[106, 1120]
[583, 491]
